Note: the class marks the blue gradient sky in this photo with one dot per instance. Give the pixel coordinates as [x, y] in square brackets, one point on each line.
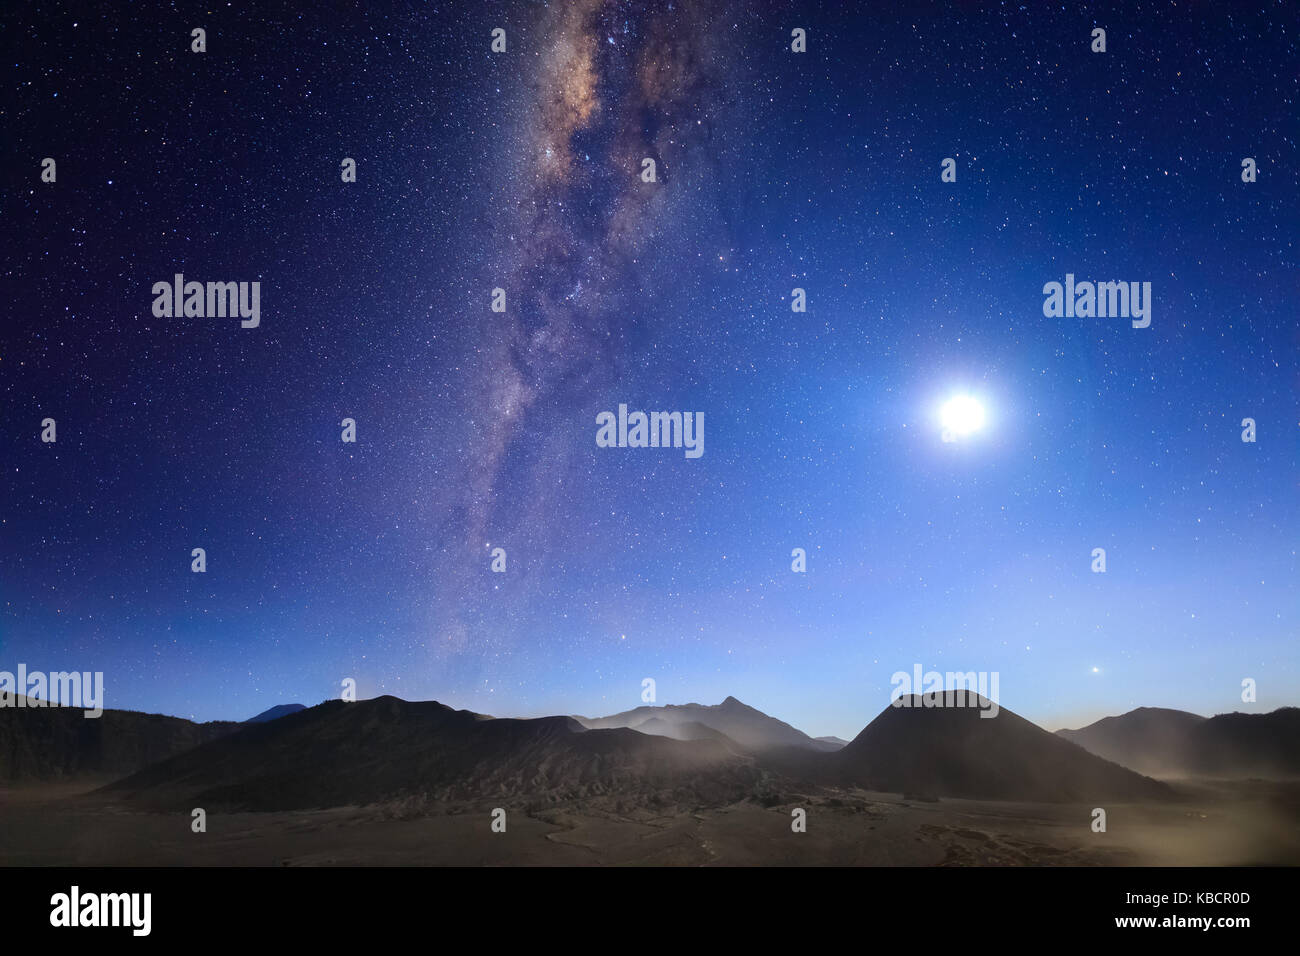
[328, 561]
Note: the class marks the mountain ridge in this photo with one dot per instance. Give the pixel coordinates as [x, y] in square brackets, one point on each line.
[1174, 743]
[747, 726]
[40, 743]
[338, 753]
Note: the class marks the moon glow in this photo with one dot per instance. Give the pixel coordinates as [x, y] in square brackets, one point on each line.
[961, 415]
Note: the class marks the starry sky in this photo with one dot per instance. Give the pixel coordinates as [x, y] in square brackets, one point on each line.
[476, 429]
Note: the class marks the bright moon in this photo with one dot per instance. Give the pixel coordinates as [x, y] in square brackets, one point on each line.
[962, 415]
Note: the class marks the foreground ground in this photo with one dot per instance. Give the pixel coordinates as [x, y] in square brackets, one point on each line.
[1244, 823]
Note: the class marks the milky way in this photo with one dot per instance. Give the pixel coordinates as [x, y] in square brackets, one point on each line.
[613, 85]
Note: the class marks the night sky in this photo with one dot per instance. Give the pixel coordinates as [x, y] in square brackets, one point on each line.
[477, 429]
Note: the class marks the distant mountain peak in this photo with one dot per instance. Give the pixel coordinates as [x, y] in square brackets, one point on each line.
[274, 713]
[733, 720]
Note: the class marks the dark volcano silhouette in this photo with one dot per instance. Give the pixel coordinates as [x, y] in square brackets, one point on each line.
[338, 754]
[952, 751]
